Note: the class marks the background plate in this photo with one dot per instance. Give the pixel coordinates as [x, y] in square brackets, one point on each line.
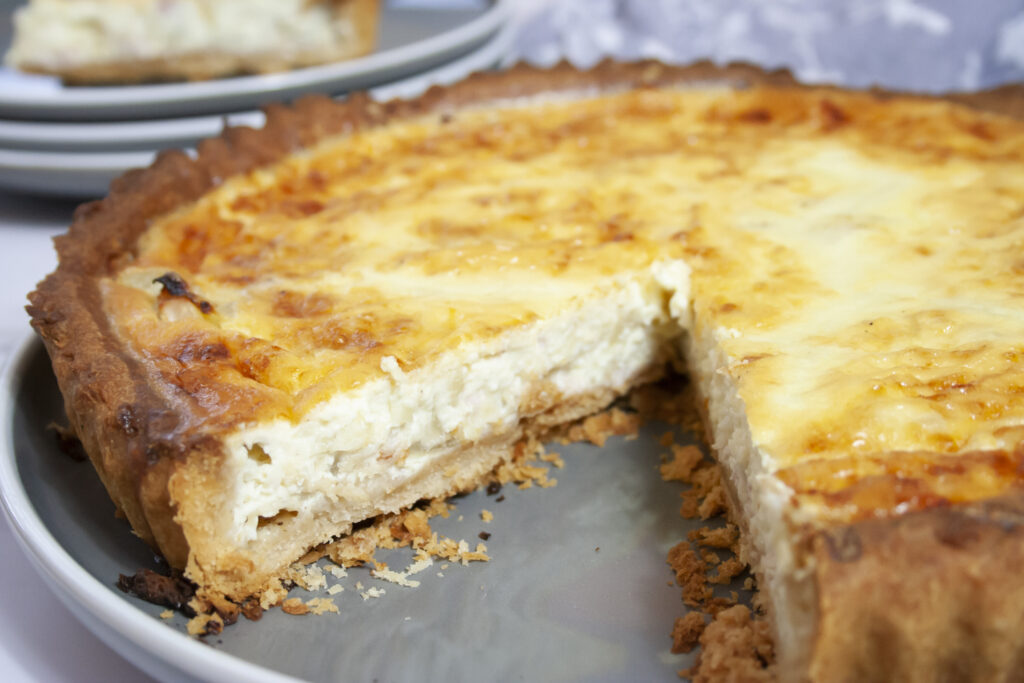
[411, 40]
[85, 174]
[577, 588]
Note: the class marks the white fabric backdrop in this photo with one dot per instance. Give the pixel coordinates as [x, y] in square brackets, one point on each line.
[931, 45]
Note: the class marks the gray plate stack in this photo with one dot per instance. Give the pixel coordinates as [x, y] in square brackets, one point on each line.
[72, 141]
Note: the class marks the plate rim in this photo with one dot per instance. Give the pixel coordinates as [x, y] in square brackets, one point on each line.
[73, 582]
[102, 98]
[88, 159]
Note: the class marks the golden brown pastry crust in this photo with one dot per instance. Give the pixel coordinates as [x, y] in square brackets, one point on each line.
[929, 596]
[944, 567]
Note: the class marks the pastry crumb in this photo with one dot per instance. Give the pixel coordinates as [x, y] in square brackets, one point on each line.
[555, 459]
[721, 537]
[686, 632]
[402, 578]
[372, 592]
[321, 606]
[486, 515]
[205, 624]
[294, 606]
[597, 429]
[735, 647]
[167, 614]
[727, 571]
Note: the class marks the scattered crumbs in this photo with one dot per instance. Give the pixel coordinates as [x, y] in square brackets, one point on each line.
[597, 428]
[460, 518]
[359, 585]
[555, 459]
[337, 571]
[548, 483]
[685, 460]
[686, 632]
[310, 577]
[597, 549]
[273, 595]
[441, 574]
[727, 571]
[320, 606]
[528, 484]
[500, 499]
[484, 536]
[748, 584]
[691, 574]
[205, 624]
[735, 647]
[706, 496]
[294, 606]
[335, 589]
[422, 563]
[722, 537]
[710, 556]
[486, 515]
[408, 619]
[672, 400]
[444, 566]
[167, 614]
[397, 578]
[372, 592]
[667, 439]
[493, 488]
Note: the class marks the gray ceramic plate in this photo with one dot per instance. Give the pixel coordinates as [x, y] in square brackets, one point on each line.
[411, 40]
[87, 174]
[548, 606]
[151, 134]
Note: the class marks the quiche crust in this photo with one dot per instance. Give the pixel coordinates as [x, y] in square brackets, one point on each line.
[922, 588]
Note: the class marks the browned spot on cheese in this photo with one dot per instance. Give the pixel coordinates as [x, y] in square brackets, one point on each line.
[291, 304]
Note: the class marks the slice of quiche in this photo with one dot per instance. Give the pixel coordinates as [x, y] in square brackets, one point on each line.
[364, 305]
[130, 41]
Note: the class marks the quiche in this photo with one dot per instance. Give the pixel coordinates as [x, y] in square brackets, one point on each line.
[129, 41]
[363, 305]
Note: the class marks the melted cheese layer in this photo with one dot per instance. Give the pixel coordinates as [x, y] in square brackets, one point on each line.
[855, 263]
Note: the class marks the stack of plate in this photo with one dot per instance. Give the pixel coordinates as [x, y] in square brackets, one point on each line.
[72, 141]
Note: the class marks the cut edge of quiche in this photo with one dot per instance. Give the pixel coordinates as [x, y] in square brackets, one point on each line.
[905, 586]
[91, 42]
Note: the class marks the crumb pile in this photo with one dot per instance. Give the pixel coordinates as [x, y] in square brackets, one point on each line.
[735, 644]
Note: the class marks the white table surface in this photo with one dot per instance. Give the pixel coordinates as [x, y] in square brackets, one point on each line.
[40, 640]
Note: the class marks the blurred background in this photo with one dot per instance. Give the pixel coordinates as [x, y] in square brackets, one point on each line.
[930, 45]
